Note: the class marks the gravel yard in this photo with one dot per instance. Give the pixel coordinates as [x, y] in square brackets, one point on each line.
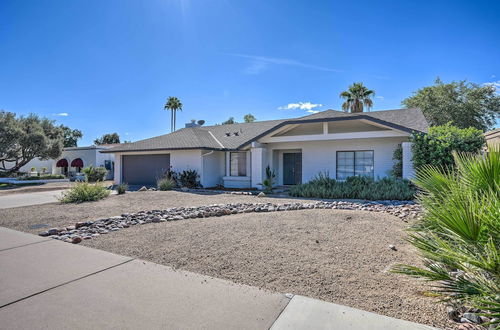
[340, 256]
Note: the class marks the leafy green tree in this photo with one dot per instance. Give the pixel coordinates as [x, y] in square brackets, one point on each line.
[229, 121]
[357, 97]
[173, 104]
[71, 136]
[111, 138]
[462, 103]
[249, 118]
[24, 138]
[437, 146]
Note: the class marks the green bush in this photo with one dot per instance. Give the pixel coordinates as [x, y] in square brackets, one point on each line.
[459, 235]
[84, 192]
[122, 188]
[436, 147]
[166, 184]
[43, 177]
[356, 187]
[397, 157]
[189, 178]
[95, 174]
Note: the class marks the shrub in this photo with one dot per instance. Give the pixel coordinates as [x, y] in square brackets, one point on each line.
[43, 177]
[459, 235]
[84, 192]
[356, 187]
[436, 148]
[189, 178]
[397, 157]
[166, 184]
[122, 188]
[269, 181]
[95, 174]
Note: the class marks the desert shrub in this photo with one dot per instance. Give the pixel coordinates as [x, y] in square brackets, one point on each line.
[95, 174]
[189, 178]
[436, 147]
[269, 181]
[356, 187]
[84, 192]
[43, 177]
[166, 184]
[122, 188]
[459, 234]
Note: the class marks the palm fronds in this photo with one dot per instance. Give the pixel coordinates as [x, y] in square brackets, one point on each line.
[459, 235]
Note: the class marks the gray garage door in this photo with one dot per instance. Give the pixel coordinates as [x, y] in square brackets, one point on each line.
[144, 169]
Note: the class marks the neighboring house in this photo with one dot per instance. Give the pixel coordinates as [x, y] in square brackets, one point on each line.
[73, 159]
[236, 155]
[492, 137]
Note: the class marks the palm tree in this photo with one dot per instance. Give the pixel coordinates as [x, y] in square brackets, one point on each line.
[173, 104]
[357, 97]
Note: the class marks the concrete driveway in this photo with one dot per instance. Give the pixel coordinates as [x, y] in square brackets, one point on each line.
[48, 284]
[29, 198]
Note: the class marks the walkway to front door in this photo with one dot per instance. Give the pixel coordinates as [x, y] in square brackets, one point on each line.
[292, 168]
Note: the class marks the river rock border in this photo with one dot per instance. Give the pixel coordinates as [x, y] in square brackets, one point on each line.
[91, 229]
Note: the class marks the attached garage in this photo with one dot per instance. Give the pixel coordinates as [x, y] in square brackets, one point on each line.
[144, 169]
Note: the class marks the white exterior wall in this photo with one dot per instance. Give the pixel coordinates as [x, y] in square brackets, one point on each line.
[88, 156]
[320, 156]
[408, 170]
[38, 164]
[214, 168]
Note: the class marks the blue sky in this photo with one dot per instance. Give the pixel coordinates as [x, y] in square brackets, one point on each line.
[109, 65]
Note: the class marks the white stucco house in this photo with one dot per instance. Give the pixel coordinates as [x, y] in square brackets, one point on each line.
[236, 155]
[73, 159]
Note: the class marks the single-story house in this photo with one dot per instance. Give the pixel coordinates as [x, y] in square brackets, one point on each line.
[492, 137]
[297, 149]
[73, 159]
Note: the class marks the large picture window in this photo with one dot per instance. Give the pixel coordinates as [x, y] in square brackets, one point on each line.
[354, 163]
[238, 164]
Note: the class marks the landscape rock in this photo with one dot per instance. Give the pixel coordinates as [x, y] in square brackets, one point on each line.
[474, 318]
[92, 229]
[261, 194]
[392, 247]
[76, 240]
[143, 188]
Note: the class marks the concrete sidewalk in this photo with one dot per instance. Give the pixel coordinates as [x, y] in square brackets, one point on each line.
[48, 284]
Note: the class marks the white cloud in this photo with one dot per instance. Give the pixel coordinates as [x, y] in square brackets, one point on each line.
[260, 63]
[313, 111]
[495, 84]
[380, 97]
[62, 114]
[301, 105]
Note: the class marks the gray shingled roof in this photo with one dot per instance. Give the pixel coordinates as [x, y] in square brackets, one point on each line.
[234, 136]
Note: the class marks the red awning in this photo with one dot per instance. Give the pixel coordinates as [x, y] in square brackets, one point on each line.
[77, 162]
[62, 163]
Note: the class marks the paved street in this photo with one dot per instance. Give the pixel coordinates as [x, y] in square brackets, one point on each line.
[48, 284]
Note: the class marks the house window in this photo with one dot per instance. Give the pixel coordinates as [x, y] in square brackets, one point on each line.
[238, 164]
[354, 163]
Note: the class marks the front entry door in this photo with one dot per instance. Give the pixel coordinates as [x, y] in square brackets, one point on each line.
[292, 168]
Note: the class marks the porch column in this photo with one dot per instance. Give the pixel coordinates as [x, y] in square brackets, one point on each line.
[117, 175]
[258, 155]
[408, 170]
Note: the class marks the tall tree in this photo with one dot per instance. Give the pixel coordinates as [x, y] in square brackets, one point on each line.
[111, 138]
[357, 97]
[71, 136]
[173, 104]
[461, 103]
[24, 138]
[229, 121]
[249, 118]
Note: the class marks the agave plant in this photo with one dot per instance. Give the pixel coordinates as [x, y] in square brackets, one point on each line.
[269, 181]
[459, 234]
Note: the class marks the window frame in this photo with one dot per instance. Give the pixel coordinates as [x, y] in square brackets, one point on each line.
[354, 165]
[238, 165]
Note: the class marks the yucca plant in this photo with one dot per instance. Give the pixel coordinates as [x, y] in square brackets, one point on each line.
[269, 181]
[459, 235]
